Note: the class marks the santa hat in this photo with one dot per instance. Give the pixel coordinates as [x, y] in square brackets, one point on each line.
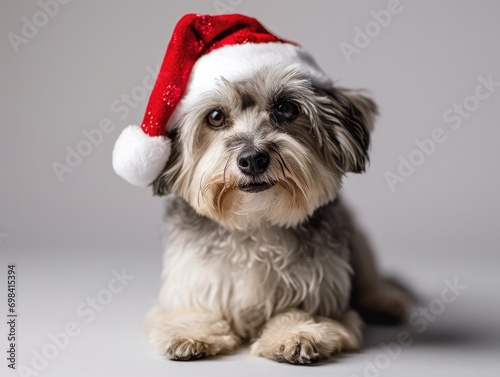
[202, 50]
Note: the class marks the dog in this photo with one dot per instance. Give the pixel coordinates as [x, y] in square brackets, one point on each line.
[259, 246]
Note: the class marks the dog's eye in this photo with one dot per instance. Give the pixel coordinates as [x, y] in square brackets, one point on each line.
[286, 111]
[216, 118]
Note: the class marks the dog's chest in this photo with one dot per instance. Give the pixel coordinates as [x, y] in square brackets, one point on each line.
[246, 277]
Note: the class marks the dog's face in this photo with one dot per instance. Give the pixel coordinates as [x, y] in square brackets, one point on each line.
[269, 149]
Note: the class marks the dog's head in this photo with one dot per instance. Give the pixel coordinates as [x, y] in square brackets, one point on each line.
[245, 125]
[272, 148]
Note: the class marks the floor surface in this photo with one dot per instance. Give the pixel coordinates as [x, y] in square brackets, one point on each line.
[462, 338]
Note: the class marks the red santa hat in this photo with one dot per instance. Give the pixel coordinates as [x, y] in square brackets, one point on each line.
[202, 50]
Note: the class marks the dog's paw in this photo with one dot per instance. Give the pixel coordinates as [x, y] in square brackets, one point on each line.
[191, 337]
[179, 347]
[297, 350]
[184, 349]
[298, 338]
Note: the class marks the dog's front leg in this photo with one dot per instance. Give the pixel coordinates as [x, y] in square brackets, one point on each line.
[189, 335]
[298, 337]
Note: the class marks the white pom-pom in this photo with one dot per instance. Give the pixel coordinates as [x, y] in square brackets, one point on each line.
[139, 158]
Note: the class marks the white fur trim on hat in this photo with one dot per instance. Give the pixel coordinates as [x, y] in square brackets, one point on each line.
[239, 62]
[139, 158]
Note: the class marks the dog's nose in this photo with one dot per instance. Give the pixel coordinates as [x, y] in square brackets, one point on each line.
[252, 162]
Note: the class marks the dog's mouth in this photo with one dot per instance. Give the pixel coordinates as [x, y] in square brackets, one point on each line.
[255, 187]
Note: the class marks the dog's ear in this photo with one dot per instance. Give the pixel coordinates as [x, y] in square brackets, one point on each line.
[163, 184]
[355, 114]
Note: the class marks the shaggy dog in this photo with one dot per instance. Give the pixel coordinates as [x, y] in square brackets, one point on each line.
[258, 245]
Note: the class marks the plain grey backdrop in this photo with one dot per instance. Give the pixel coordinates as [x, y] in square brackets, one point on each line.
[67, 69]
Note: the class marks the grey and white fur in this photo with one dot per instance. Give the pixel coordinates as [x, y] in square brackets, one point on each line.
[259, 247]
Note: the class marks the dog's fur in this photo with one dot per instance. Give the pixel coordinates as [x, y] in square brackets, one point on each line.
[285, 268]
